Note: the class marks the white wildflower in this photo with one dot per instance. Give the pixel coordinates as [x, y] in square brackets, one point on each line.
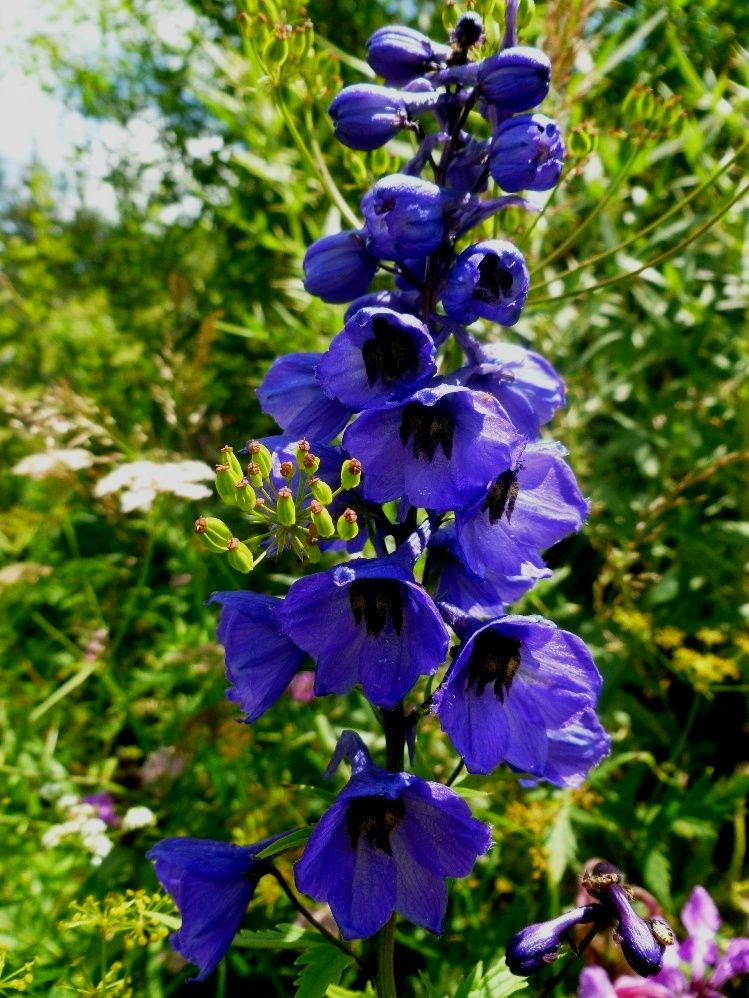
[138, 817]
[140, 482]
[53, 463]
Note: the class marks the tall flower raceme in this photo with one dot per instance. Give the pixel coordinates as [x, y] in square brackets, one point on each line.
[429, 494]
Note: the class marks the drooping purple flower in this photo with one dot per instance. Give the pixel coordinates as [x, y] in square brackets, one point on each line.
[339, 268]
[465, 600]
[292, 395]
[527, 153]
[212, 884]
[399, 53]
[489, 280]
[404, 217]
[523, 382]
[380, 355]
[538, 945]
[261, 660]
[439, 448]
[366, 116]
[525, 509]
[387, 844]
[574, 749]
[515, 680]
[515, 79]
[367, 622]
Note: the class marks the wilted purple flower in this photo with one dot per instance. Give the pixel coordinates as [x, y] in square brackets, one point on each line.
[380, 355]
[515, 681]
[261, 660]
[515, 79]
[366, 622]
[523, 382]
[366, 116]
[525, 509]
[292, 395]
[527, 153]
[212, 884]
[404, 217]
[489, 280]
[536, 946]
[387, 844]
[439, 448]
[339, 268]
[399, 53]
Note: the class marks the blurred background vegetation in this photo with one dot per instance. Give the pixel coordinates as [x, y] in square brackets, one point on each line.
[141, 334]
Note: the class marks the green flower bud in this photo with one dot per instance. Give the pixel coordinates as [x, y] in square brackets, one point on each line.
[450, 15]
[229, 457]
[526, 9]
[321, 491]
[246, 498]
[225, 484]
[581, 142]
[261, 456]
[310, 464]
[214, 532]
[285, 509]
[240, 556]
[302, 449]
[287, 470]
[347, 526]
[350, 474]
[254, 475]
[312, 551]
[322, 519]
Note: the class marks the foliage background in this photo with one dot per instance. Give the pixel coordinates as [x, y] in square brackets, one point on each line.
[145, 335]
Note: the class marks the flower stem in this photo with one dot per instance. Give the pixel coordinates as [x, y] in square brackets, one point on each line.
[385, 981]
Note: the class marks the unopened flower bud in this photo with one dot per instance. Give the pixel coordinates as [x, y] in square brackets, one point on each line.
[214, 532]
[310, 464]
[229, 457]
[225, 484]
[302, 448]
[404, 217]
[240, 556]
[527, 153]
[261, 456]
[350, 473]
[399, 53]
[536, 946]
[366, 116]
[641, 944]
[246, 498]
[322, 519]
[287, 470]
[516, 79]
[339, 268]
[254, 475]
[285, 509]
[321, 491]
[347, 527]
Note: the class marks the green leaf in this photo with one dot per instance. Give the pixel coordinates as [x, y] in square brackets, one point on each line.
[291, 841]
[497, 982]
[657, 875]
[281, 938]
[322, 965]
[561, 843]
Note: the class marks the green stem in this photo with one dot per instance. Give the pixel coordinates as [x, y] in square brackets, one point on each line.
[385, 981]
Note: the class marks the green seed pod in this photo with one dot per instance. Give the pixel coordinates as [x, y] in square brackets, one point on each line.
[261, 456]
[287, 470]
[322, 519]
[213, 532]
[321, 491]
[240, 556]
[350, 474]
[526, 10]
[254, 475]
[285, 509]
[229, 457]
[225, 484]
[347, 526]
[580, 142]
[310, 464]
[246, 498]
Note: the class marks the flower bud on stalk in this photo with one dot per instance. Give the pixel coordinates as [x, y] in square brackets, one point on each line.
[245, 495]
[254, 475]
[214, 532]
[350, 474]
[527, 153]
[347, 526]
[366, 116]
[321, 491]
[310, 464]
[261, 456]
[225, 484]
[339, 268]
[285, 509]
[240, 556]
[322, 519]
[515, 79]
[399, 53]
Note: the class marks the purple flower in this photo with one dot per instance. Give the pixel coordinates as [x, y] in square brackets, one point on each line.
[523, 382]
[574, 749]
[594, 983]
[261, 661]
[489, 280]
[387, 844]
[465, 600]
[212, 884]
[536, 946]
[641, 946]
[404, 217]
[366, 116]
[339, 268]
[399, 53]
[366, 622]
[514, 682]
[380, 355]
[515, 79]
[408, 303]
[103, 804]
[439, 448]
[467, 171]
[525, 509]
[292, 395]
[527, 153]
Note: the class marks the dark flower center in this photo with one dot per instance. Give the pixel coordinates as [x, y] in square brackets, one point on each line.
[494, 659]
[501, 497]
[373, 601]
[390, 354]
[495, 280]
[431, 426]
[376, 817]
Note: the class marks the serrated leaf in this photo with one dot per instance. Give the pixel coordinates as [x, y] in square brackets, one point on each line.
[322, 965]
[496, 982]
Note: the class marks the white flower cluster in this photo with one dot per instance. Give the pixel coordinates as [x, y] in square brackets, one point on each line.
[140, 482]
[82, 822]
